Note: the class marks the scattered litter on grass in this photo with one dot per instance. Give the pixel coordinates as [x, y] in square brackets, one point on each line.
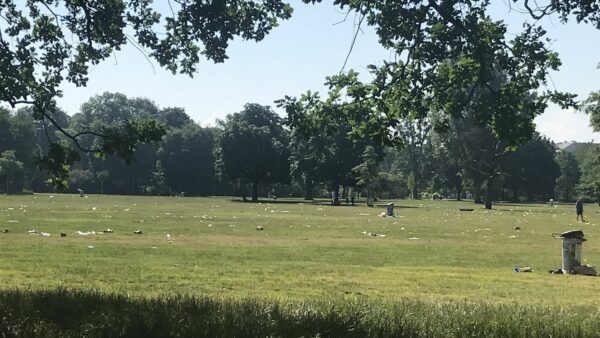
[413, 238]
[517, 228]
[154, 247]
[4, 231]
[62, 234]
[138, 232]
[524, 269]
[90, 247]
[108, 231]
[258, 227]
[84, 233]
[126, 209]
[320, 209]
[32, 232]
[512, 237]
[210, 225]
[45, 234]
[372, 234]
[402, 228]
[12, 221]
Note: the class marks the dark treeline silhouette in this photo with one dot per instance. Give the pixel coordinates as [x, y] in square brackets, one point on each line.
[254, 153]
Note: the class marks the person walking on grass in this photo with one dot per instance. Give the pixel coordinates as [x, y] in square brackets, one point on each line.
[579, 209]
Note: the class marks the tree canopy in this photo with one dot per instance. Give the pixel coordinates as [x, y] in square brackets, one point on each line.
[253, 147]
[44, 43]
[446, 51]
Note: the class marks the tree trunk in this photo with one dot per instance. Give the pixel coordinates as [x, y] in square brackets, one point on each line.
[308, 189]
[459, 192]
[477, 191]
[243, 191]
[255, 191]
[488, 193]
[414, 192]
[345, 194]
[7, 184]
[369, 198]
[515, 197]
[336, 194]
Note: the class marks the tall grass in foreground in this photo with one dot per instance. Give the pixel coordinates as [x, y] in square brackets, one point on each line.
[62, 313]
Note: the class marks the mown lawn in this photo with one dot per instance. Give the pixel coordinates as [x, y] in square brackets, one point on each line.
[306, 252]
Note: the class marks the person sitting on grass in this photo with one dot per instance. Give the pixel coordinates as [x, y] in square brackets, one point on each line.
[579, 209]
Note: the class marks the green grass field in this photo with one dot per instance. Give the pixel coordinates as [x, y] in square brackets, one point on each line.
[307, 253]
[312, 271]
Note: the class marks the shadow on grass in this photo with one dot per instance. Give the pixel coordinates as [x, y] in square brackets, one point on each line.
[63, 313]
[320, 201]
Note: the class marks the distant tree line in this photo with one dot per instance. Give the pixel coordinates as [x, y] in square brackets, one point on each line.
[256, 152]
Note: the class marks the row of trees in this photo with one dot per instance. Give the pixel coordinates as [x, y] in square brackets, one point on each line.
[256, 151]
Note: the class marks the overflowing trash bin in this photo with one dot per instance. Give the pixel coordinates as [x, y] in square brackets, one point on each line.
[572, 242]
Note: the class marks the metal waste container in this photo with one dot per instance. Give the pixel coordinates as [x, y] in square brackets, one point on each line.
[571, 249]
[390, 209]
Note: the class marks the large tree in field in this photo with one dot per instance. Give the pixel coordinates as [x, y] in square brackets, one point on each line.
[589, 186]
[116, 111]
[367, 172]
[253, 147]
[187, 157]
[306, 154]
[532, 171]
[446, 164]
[10, 168]
[570, 173]
[323, 150]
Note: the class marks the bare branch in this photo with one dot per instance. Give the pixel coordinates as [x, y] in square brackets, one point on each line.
[46, 130]
[345, 18]
[71, 137]
[362, 17]
[171, 7]
[144, 53]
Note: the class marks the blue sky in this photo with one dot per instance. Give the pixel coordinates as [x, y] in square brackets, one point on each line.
[301, 52]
